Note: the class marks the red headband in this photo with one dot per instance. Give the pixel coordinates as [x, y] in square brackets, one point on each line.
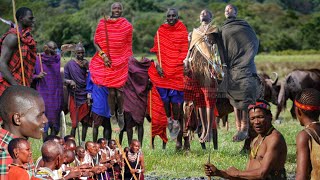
[261, 105]
[306, 107]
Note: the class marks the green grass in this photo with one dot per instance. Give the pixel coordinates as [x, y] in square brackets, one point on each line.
[171, 164]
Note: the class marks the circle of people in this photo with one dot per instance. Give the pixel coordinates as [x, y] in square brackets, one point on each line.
[178, 92]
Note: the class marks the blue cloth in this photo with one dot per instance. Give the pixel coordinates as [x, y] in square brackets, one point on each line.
[170, 95]
[99, 95]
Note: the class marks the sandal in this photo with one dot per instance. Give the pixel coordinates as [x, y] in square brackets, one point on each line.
[240, 136]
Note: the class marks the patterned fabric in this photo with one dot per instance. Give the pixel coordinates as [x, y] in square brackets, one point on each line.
[5, 158]
[119, 47]
[158, 115]
[83, 112]
[173, 50]
[50, 87]
[29, 52]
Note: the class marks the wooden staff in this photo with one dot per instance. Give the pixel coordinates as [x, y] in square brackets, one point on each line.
[40, 61]
[125, 158]
[159, 49]
[107, 37]
[150, 114]
[18, 37]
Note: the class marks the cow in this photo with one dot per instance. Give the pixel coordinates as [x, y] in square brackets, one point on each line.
[270, 88]
[294, 82]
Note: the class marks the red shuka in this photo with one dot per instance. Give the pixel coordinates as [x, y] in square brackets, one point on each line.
[119, 47]
[158, 115]
[29, 53]
[173, 50]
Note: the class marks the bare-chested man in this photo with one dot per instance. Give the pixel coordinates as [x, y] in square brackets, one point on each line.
[268, 150]
[307, 109]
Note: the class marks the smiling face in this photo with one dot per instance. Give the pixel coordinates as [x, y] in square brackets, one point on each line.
[116, 10]
[80, 152]
[261, 123]
[172, 17]
[33, 120]
[135, 146]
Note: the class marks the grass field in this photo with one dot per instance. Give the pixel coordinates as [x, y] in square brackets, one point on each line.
[171, 164]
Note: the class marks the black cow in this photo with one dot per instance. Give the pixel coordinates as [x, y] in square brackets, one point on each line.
[295, 82]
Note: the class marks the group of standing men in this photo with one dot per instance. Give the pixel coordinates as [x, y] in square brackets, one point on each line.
[200, 63]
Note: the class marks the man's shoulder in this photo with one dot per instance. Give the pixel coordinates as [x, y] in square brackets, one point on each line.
[275, 138]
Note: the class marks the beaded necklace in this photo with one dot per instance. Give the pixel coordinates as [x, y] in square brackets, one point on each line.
[255, 151]
[314, 122]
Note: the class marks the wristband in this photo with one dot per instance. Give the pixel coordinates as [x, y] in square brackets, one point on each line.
[139, 171]
[101, 53]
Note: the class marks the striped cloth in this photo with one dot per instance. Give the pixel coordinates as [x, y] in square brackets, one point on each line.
[173, 50]
[158, 115]
[29, 53]
[120, 50]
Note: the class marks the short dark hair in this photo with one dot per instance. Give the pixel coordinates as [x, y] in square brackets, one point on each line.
[67, 137]
[13, 144]
[21, 12]
[173, 9]
[101, 139]
[52, 137]
[311, 97]
[9, 102]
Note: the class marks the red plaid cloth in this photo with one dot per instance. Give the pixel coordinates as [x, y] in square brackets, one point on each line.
[202, 96]
[5, 158]
[29, 53]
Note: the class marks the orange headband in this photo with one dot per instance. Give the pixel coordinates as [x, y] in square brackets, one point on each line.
[306, 107]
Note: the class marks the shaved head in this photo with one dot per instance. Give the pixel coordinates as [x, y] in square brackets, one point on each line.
[50, 150]
[16, 99]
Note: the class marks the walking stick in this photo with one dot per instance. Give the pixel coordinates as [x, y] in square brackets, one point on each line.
[125, 158]
[40, 61]
[19, 45]
[150, 114]
[209, 177]
[158, 39]
[77, 116]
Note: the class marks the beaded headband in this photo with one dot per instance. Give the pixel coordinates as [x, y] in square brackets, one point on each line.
[306, 106]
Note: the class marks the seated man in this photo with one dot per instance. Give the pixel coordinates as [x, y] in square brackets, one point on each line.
[268, 149]
[52, 155]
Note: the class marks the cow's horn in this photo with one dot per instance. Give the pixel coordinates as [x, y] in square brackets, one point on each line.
[276, 79]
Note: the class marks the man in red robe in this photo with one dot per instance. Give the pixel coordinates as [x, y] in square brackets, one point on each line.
[10, 64]
[109, 66]
[171, 47]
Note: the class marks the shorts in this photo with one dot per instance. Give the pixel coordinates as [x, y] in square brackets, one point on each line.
[169, 95]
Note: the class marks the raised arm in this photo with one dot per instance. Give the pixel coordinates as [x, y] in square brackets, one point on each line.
[10, 44]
